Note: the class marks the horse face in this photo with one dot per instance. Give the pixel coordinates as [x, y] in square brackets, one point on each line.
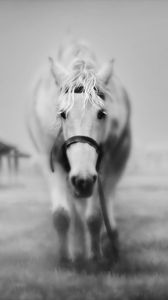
[88, 120]
[83, 118]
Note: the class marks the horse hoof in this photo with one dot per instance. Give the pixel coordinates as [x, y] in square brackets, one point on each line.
[110, 248]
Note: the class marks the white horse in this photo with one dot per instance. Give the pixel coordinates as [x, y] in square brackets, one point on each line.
[79, 120]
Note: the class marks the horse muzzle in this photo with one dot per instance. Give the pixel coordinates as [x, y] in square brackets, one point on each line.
[83, 187]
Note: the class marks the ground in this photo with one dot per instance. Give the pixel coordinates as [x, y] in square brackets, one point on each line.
[28, 245]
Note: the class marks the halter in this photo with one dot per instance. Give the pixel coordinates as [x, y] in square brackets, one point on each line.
[73, 140]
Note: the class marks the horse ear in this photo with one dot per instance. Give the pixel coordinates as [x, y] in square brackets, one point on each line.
[57, 71]
[106, 72]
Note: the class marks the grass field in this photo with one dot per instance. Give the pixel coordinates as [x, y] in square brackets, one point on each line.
[27, 246]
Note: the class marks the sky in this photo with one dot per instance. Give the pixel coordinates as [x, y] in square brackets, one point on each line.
[132, 32]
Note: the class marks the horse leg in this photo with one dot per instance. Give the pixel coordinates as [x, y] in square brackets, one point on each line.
[78, 238]
[110, 246]
[61, 221]
[60, 208]
[94, 224]
[61, 215]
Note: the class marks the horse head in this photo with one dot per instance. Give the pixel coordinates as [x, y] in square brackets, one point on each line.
[83, 111]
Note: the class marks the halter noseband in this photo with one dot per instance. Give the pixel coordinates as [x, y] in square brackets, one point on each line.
[81, 139]
[73, 140]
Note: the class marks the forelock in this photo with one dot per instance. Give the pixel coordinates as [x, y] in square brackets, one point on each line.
[81, 80]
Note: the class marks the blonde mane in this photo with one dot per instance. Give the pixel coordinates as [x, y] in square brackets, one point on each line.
[83, 75]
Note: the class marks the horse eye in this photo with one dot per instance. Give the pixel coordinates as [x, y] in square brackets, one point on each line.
[101, 114]
[101, 95]
[63, 115]
[79, 89]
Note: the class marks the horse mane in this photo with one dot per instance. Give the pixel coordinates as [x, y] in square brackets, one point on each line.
[82, 76]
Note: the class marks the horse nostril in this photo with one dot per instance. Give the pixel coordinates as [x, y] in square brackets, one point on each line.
[78, 182]
[94, 178]
[74, 180]
[83, 183]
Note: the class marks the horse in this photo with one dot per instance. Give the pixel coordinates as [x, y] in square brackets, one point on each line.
[79, 121]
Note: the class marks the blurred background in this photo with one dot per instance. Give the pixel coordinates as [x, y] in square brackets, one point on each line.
[134, 33]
